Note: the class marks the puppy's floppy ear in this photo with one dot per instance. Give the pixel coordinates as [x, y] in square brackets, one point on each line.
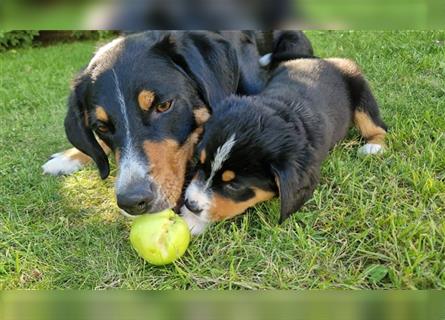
[295, 186]
[77, 128]
[289, 45]
[208, 59]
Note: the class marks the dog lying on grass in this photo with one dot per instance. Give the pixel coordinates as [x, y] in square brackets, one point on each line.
[145, 97]
[274, 143]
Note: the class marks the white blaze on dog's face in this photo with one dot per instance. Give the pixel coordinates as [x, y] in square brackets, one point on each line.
[223, 186]
[198, 196]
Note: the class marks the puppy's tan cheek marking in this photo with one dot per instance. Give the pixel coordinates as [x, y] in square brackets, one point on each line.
[168, 162]
[368, 129]
[145, 99]
[223, 208]
[202, 115]
[202, 156]
[101, 114]
[228, 175]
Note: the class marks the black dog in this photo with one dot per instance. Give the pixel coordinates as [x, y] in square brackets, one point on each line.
[254, 148]
[146, 97]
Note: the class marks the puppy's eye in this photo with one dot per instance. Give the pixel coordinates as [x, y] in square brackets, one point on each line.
[234, 186]
[165, 106]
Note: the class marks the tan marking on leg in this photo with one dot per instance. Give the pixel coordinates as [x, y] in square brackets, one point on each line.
[168, 162]
[201, 115]
[368, 129]
[78, 155]
[145, 99]
[228, 175]
[202, 156]
[101, 114]
[224, 208]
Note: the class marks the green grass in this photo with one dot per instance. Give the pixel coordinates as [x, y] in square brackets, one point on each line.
[374, 222]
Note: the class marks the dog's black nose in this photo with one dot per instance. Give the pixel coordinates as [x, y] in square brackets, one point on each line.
[192, 206]
[135, 201]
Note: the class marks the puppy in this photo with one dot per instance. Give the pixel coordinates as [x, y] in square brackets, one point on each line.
[257, 147]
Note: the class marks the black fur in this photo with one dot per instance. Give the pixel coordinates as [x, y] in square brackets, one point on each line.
[290, 45]
[199, 69]
[284, 133]
[194, 69]
[78, 133]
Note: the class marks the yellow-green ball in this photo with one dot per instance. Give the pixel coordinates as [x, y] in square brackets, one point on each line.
[160, 238]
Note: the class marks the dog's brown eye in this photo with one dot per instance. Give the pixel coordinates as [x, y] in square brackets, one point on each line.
[102, 128]
[165, 106]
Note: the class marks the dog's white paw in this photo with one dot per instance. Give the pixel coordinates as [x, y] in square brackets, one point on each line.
[265, 60]
[60, 164]
[370, 148]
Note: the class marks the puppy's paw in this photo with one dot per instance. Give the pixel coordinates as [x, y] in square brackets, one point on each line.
[60, 164]
[370, 148]
[265, 60]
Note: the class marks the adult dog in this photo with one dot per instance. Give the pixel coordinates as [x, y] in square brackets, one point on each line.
[146, 97]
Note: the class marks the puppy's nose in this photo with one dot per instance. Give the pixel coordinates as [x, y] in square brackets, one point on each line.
[135, 200]
[192, 206]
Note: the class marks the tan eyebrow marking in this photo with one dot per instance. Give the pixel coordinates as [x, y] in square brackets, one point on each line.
[101, 114]
[202, 156]
[228, 175]
[146, 99]
[224, 208]
[201, 115]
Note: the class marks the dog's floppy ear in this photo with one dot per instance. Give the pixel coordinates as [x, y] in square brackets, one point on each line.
[289, 45]
[208, 59]
[295, 186]
[77, 128]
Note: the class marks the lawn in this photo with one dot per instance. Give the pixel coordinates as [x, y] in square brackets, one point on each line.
[374, 222]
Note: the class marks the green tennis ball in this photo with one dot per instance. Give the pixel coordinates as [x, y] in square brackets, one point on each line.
[160, 238]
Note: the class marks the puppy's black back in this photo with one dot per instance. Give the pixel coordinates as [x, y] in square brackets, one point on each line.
[315, 93]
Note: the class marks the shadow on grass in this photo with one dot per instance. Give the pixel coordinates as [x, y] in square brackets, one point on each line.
[91, 197]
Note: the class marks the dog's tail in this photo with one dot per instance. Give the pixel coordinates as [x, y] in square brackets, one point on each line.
[366, 111]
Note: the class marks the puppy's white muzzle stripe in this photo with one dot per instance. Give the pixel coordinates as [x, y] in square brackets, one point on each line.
[196, 224]
[197, 193]
[200, 192]
[222, 154]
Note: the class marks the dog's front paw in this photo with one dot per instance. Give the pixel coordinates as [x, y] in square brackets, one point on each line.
[60, 164]
[370, 148]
